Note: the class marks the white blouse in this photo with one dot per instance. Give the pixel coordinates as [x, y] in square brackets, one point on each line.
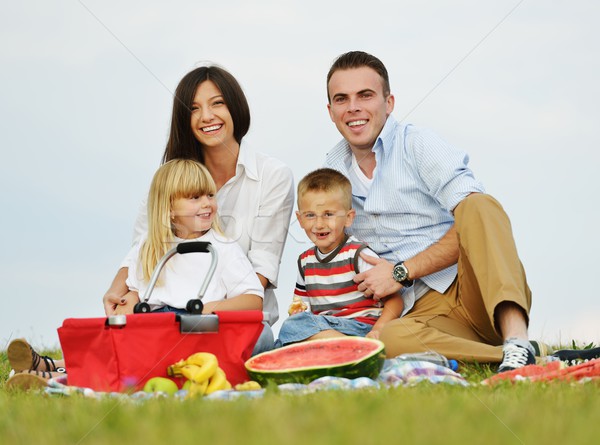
[255, 207]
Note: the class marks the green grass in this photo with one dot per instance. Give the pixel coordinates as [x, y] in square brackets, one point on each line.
[429, 414]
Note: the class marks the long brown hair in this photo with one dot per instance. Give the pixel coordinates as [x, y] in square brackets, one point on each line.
[182, 144]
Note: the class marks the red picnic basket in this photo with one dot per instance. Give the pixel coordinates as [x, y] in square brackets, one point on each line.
[121, 352]
[107, 355]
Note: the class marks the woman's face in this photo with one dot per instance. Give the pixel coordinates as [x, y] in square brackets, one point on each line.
[211, 122]
[193, 216]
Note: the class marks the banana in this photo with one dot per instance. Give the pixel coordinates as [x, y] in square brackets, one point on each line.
[193, 373]
[175, 369]
[205, 361]
[197, 389]
[203, 372]
[217, 382]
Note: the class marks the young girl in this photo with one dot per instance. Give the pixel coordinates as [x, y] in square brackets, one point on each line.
[182, 207]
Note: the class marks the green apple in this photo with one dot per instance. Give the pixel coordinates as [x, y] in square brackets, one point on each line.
[161, 384]
[187, 385]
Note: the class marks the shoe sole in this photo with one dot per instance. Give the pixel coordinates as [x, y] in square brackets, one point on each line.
[19, 355]
[25, 382]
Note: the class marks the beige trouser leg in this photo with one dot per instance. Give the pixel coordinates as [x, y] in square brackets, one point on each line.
[460, 323]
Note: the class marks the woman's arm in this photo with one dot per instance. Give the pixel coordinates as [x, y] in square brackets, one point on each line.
[270, 226]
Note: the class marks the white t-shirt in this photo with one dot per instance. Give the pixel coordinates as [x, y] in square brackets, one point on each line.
[183, 275]
[255, 208]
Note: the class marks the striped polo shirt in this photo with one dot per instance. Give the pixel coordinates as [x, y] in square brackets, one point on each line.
[326, 283]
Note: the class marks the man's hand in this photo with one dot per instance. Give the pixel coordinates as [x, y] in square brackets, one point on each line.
[377, 282]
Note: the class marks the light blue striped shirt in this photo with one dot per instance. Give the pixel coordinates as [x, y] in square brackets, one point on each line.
[418, 181]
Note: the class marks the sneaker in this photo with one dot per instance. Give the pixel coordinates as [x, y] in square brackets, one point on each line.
[22, 357]
[515, 356]
[27, 380]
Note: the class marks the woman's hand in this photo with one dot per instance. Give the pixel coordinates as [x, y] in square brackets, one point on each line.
[128, 302]
[115, 295]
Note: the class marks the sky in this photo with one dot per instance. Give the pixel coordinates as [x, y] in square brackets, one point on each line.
[86, 94]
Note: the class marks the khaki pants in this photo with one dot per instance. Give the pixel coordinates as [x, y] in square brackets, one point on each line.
[460, 322]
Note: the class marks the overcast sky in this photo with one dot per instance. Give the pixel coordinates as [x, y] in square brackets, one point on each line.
[85, 100]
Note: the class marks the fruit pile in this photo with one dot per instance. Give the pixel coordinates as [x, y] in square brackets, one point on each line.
[202, 371]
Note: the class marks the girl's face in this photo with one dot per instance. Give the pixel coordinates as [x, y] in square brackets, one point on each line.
[211, 121]
[192, 217]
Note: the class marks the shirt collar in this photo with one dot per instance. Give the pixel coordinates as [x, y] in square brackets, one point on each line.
[246, 162]
[386, 137]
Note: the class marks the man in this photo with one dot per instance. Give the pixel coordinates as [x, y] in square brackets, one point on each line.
[444, 243]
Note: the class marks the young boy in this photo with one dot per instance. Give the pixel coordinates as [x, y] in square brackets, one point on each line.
[326, 271]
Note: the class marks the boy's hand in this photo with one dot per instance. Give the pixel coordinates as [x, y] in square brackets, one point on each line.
[297, 306]
[373, 334]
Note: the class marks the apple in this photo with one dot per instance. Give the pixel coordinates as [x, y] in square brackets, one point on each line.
[161, 384]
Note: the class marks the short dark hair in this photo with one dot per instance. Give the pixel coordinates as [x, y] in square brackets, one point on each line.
[182, 144]
[326, 180]
[358, 59]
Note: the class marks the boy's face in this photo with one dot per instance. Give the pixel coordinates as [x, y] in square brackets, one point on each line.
[324, 218]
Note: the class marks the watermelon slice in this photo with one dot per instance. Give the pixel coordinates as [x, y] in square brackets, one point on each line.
[349, 357]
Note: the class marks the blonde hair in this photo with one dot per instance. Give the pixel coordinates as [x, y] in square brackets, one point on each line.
[178, 178]
[326, 180]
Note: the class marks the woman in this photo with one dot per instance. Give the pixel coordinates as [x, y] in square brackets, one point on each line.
[254, 192]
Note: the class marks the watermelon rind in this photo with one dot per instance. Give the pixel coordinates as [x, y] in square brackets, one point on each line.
[369, 365]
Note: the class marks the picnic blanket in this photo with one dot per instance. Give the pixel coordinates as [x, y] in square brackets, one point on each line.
[394, 373]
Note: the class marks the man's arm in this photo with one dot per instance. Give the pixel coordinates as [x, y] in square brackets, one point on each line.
[379, 282]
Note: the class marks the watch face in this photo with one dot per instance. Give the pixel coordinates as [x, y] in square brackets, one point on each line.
[400, 273]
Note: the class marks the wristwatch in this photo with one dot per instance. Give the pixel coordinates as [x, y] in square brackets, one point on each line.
[400, 274]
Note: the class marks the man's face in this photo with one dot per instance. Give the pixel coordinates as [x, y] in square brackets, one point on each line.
[358, 106]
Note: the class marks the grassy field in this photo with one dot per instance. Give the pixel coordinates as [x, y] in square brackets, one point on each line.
[429, 414]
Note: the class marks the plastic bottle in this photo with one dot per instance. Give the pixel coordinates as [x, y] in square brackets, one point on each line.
[429, 356]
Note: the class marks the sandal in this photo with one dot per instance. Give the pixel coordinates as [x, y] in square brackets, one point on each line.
[22, 357]
[28, 380]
